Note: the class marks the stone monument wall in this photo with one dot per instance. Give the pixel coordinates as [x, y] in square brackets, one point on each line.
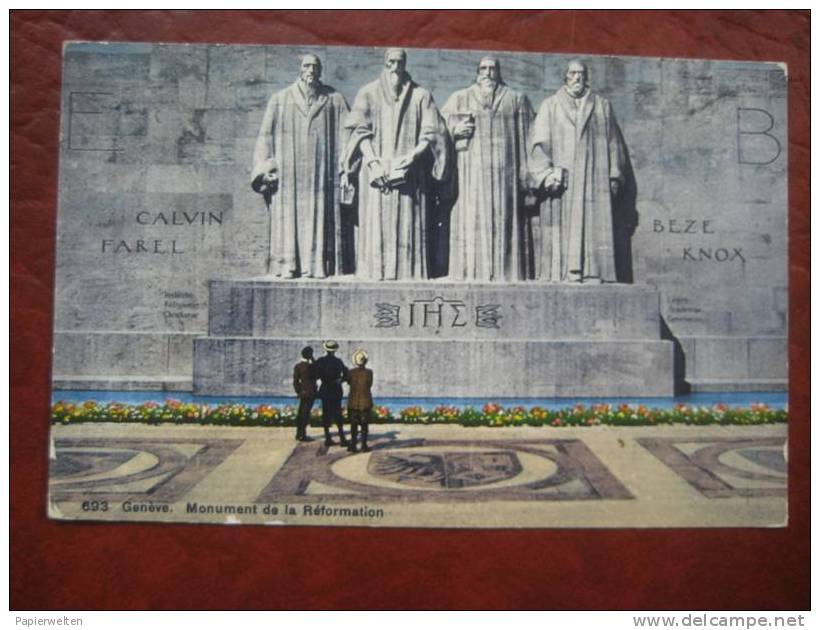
[155, 201]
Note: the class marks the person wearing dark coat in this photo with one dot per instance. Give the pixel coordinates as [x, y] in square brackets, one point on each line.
[360, 400]
[305, 387]
[332, 372]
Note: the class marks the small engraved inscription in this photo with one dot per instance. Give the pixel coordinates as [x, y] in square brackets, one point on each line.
[698, 226]
[180, 305]
[720, 254]
[681, 309]
[179, 217]
[387, 315]
[436, 313]
[487, 316]
[140, 246]
[683, 226]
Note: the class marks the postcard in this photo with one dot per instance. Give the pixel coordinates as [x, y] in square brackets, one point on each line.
[419, 288]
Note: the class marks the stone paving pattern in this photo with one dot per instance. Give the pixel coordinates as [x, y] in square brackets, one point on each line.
[424, 476]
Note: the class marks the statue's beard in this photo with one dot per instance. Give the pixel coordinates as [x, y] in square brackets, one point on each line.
[310, 82]
[487, 84]
[396, 79]
[310, 87]
[487, 87]
[576, 88]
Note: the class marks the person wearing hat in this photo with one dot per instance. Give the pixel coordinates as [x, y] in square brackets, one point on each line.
[305, 387]
[360, 400]
[332, 372]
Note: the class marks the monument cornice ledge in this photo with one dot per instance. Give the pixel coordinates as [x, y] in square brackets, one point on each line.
[128, 331]
[339, 282]
[357, 338]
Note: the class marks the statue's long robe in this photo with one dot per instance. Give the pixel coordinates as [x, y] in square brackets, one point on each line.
[489, 238]
[576, 229]
[304, 143]
[393, 240]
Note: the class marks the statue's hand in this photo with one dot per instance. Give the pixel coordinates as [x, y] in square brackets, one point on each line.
[552, 182]
[377, 174]
[615, 187]
[464, 129]
[406, 161]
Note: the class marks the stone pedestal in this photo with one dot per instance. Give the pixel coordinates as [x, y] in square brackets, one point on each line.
[439, 339]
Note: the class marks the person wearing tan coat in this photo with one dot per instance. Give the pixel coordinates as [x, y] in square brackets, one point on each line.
[360, 400]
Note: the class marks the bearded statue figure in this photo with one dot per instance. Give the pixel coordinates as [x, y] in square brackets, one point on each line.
[489, 234]
[398, 152]
[295, 168]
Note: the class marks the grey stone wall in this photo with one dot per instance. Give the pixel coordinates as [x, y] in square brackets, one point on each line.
[155, 201]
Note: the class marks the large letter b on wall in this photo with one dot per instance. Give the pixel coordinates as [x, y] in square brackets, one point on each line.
[755, 145]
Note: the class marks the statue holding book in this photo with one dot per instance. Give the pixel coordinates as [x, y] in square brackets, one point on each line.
[578, 160]
[398, 150]
[489, 236]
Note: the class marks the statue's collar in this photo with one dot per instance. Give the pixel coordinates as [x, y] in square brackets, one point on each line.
[302, 100]
[581, 96]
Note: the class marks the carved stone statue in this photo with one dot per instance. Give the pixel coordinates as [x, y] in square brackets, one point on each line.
[489, 238]
[398, 145]
[295, 167]
[578, 160]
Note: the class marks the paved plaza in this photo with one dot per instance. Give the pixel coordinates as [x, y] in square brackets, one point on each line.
[424, 476]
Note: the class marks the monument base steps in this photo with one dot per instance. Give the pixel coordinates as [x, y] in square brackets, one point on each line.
[436, 339]
[443, 369]
[127, 384]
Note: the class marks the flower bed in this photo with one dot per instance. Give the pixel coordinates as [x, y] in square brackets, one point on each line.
[490, 415]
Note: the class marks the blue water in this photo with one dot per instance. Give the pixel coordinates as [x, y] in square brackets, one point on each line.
[775, 400]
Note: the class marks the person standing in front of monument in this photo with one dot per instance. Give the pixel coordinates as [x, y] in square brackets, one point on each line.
[399, 147]
[332, 372]
[578, 160]
[489, 122]
[360, 400]
[305, 387]
[295, 168]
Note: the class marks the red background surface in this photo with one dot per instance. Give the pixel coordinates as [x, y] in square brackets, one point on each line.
[94, 566]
